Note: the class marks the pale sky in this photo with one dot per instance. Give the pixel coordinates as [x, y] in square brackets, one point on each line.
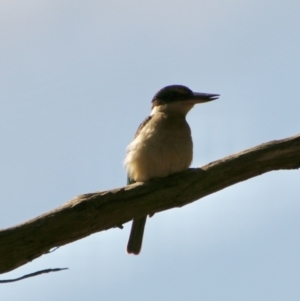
[77, 78]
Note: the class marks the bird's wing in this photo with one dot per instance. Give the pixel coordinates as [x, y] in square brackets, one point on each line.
[142, 125]
[130, 181]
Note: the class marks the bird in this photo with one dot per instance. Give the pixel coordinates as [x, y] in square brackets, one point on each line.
[162, 145]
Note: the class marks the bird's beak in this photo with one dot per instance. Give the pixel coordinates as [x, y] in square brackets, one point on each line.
[204, 97]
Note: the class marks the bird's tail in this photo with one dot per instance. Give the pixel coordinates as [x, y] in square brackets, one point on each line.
[136, 235]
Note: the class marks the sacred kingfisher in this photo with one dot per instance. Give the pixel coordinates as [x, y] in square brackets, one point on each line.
[162, 145]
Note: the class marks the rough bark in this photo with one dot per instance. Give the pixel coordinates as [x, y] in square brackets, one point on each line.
[94, 212]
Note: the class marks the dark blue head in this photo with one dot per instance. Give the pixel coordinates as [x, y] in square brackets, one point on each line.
[176, 93]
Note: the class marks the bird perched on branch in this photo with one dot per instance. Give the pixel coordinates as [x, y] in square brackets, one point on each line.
[162, 145]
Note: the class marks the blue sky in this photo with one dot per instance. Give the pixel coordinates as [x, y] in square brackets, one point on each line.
[77, 78]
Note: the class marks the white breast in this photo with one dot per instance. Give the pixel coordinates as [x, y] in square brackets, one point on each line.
[164, 146]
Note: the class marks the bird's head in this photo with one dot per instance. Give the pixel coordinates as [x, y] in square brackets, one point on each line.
[179, 99]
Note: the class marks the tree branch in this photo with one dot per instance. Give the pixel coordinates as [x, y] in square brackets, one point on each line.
[94, 212]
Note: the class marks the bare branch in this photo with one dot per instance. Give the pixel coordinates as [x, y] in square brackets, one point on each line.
[94, 212]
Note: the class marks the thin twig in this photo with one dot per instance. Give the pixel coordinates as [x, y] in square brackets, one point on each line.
[33, 274]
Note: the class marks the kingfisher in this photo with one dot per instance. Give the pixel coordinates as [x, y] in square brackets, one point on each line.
[162, 145]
